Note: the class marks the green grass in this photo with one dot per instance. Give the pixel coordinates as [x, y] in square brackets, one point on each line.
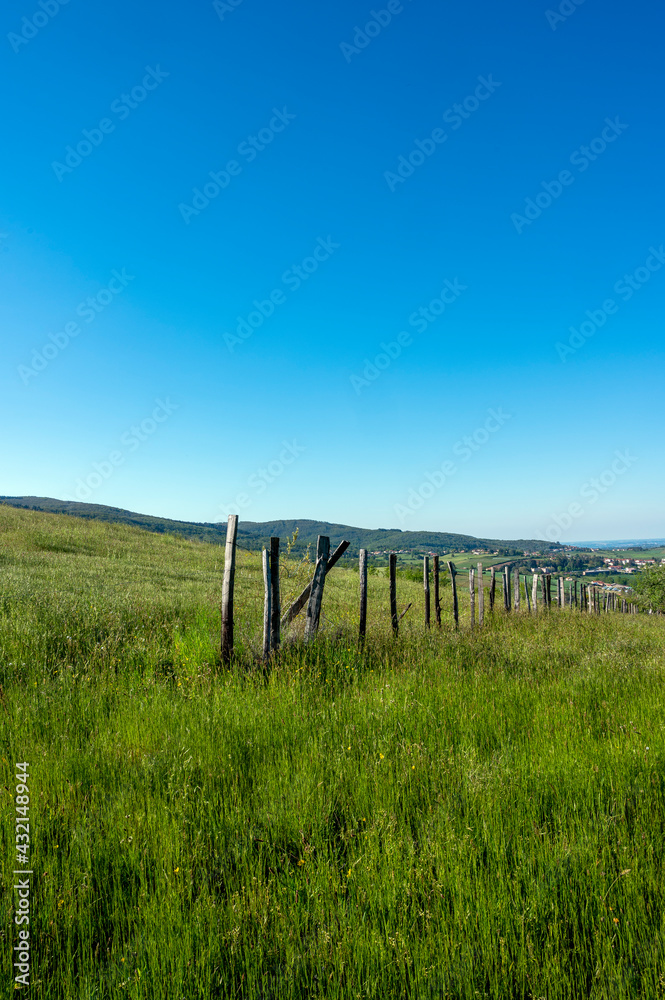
[462, 815]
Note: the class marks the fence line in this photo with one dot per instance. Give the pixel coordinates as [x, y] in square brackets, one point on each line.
[591, 599]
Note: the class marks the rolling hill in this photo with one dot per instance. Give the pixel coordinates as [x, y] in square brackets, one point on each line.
[255, 534]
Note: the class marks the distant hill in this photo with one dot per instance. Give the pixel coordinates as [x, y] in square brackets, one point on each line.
[254, 535]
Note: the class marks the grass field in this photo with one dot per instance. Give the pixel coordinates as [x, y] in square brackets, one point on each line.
[451, 815]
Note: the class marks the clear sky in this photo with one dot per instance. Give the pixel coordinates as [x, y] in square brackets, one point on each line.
[281, 260]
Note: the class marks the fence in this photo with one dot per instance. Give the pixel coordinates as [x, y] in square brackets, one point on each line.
[587, 598]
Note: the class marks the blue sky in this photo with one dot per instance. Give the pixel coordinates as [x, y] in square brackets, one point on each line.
[282, 261]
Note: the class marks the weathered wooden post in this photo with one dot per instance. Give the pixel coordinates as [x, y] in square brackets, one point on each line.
[472, 596]
[506, 588]
[313, 613]
[516, 589]
[543, 581]
[426, 589]
[526, 595]
[574, 593]
[534, 592]
[392, 569]
[437, 599]
[481, 595]
[267, 606]
[453, 574]
[296, 606]
[548, 580]
[275, 609]
[492, 587]
[227, 587]
[362, 568]
[591, 600]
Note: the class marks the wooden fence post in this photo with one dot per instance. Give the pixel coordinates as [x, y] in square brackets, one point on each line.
[296, 606]
[548, 581]
[492, 587]
[506, 588]
[472, 596]
[453, 574]
[526, 595]
[275, 608]
[267, 606]
[573, 596]
[516, 588]
[534, 592]
[362, 567]
[392, 570]
[426, 589]
[316, 596]
[227, 587]
[481, 595]
[437, 598]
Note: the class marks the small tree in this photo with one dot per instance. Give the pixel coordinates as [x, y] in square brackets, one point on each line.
[650, 586]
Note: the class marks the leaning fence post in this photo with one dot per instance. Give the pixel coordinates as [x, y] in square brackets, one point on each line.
[362, 567]
[392, 572]
[301, 600]
[227, 587]
[526, 595]
[492, 587]
[453, 574]
[426, 589]
[481, 595]
[472, 596]
[437, 600]
[313, 613]
[267, 603]
[275, 609]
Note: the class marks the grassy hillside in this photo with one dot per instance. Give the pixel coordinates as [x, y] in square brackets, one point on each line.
[254, 534]
[449, 815]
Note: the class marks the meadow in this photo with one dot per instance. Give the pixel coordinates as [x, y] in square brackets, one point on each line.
[452, 814]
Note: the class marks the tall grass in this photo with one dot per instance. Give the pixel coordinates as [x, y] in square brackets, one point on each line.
[462, 815]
